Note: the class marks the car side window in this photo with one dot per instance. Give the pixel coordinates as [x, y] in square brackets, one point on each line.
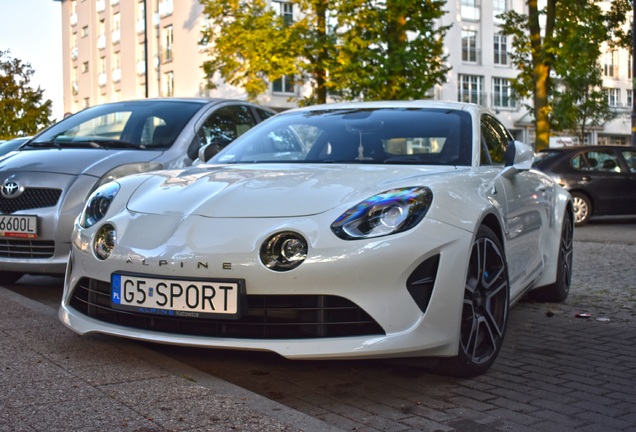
[630, 158]
[223, 126]
[605, 161]
[494, 139]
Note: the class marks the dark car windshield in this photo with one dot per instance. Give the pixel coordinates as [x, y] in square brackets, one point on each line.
[358, 135]
[136, 124]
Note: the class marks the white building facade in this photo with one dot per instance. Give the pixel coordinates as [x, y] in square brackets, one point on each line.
[128, 49]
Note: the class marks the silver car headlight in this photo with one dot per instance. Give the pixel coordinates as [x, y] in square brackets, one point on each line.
[97, 204]
[128, 169]
[387, 213]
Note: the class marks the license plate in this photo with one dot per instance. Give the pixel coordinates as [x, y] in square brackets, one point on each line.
[220, 298]
[18, 226]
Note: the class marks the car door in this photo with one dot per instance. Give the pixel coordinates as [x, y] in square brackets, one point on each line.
[601, 173]
[525, 202]
[629, 156]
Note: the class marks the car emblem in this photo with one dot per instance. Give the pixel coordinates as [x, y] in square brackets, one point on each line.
[11, 189]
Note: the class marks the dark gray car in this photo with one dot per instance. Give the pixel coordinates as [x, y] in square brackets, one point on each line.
[600, 178]
[43, 186]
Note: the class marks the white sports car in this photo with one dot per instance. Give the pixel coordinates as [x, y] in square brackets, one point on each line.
[358, 230]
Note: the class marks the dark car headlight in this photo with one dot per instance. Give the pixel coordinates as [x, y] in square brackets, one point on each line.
[387, 213]
[97, 204]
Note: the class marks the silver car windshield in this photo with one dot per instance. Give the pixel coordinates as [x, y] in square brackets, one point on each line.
[382, 135]
[137, 125]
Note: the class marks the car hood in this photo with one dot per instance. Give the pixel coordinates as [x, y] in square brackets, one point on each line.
[93, 162]
[269, 190]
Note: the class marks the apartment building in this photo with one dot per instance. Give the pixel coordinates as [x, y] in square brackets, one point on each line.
[126, 49]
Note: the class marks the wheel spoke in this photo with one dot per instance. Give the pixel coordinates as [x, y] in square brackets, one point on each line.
[485, 302]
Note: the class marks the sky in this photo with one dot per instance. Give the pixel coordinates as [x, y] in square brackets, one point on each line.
[32, 31]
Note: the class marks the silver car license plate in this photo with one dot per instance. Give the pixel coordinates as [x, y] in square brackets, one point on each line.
[200, 298]
[20, 226]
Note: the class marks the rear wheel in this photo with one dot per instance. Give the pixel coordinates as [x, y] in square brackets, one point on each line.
[558, 291]
[582, 208]
[485, 309]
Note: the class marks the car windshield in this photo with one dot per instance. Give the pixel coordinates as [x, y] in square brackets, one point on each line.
[357, 135]
[137, 125]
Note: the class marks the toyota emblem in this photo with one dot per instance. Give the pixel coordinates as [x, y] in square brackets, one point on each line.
[10, 189]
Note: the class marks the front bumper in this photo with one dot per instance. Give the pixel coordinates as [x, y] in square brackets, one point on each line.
[370, 276]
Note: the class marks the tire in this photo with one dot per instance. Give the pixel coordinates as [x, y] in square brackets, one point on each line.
[9, 277]
[582, 208]
[559, 290]
[485, 309]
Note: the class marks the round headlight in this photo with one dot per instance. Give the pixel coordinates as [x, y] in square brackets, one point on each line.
[104, 241]
[284, 251]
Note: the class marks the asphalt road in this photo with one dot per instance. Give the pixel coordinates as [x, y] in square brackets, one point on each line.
[556, 372]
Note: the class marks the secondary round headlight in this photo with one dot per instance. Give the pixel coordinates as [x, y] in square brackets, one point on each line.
[97, 204]
[284, 251]
[104, 241]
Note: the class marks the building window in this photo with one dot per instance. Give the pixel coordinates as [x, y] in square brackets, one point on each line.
[168, 41]
[469, 46]
[169, 84]
[101, 38]
[283, 85]
[499, 7]
[84, 31]
[287, 12]
[116, 59]
[470, 10]
[613, 97]
[85, 67]
[141, 17]
[73, 12]
[503, 95]
[101, 77]
[630, 98]
[116, 32]
[166, 8]
[610, 64]
[630, 66]
[500, 49]
[471, 89]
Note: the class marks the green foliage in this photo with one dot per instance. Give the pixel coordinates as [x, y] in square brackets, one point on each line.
[22, 111]
[389, 50]
[559, 69]
[358, 49]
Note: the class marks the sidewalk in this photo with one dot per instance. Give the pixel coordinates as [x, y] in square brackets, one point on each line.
[54, 380]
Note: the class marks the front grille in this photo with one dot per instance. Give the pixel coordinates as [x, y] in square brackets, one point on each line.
[267, 316]
[31, 198]
[26, 249]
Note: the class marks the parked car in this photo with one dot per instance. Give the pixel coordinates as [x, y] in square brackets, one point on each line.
[12, 144]
[601, 179]
[44, 186]
[362, 230]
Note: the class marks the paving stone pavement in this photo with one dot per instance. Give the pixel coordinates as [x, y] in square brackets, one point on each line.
[556, 372]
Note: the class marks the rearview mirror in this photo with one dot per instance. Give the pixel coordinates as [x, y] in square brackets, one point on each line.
[518, 157]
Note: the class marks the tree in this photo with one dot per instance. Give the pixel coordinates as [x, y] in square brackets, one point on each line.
[22, 109]
[351, 49]
[539, 51]
[579, 102]
[389, 50]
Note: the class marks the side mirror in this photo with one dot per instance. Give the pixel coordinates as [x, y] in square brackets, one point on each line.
[518, 157]
[208, 151]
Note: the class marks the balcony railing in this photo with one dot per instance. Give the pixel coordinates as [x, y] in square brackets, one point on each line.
[100, 5]
[101, 79]
[101, 42]
[116, 75]
[116, 36]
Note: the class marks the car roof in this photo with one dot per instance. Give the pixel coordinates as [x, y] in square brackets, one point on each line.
[422, 103]
[584, 148]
